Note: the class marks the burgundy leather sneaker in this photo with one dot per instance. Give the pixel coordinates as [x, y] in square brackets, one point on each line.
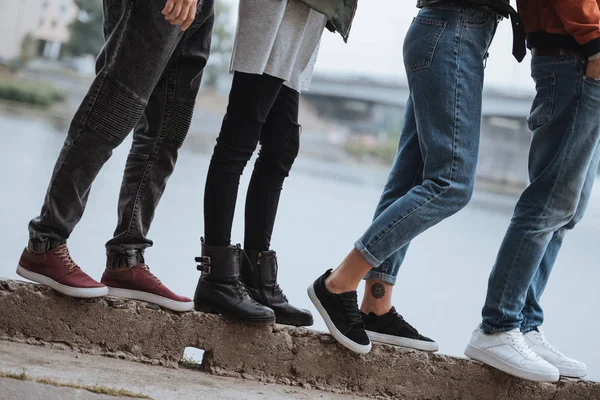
[56, 268]
[138, 283]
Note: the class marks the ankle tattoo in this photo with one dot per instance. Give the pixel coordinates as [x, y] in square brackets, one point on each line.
[377, 290]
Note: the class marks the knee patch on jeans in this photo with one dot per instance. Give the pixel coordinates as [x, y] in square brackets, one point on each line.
[115, 111]
[281, 147]
[292, 145]
[178, 125]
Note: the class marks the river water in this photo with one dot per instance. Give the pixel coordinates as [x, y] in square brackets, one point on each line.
[324, 208]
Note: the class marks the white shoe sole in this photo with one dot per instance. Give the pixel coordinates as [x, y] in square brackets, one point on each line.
[492, 360]
[337, 335]
[403, 342]
[173, 305]
[84, 293]
[571, 372]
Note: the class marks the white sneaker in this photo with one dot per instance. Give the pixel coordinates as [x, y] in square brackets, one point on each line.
[510, 353]
[567, 366]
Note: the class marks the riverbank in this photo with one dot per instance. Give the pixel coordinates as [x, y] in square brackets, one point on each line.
[141, 332]
[322, 139]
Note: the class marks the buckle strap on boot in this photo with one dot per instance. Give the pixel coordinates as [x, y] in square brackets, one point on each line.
[203, 264]
[219, 262]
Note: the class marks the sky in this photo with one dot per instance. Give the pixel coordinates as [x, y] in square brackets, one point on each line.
[375, 45]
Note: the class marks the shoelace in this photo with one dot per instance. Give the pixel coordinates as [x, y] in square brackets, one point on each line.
[146, 269]
[518, 342]
[544, 342]
[239, 287]
[65, 257]
[276, 288]
[279, 292]
[349, 303]
[399, 319]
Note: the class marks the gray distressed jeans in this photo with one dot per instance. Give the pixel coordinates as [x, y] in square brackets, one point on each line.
[148, 77]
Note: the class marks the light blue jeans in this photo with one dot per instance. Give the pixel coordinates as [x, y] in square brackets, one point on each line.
[563, 162]
[433, 174]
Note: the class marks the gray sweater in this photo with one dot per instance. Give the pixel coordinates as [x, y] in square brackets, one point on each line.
[279, 38]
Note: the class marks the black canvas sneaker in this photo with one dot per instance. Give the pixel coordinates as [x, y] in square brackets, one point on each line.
[341, 315]
[391, 328]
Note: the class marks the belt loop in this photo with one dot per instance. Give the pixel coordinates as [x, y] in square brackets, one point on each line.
[561, 52]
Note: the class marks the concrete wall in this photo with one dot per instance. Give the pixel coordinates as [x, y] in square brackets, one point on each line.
[143, 332]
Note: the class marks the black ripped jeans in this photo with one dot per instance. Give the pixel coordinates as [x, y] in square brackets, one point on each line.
[148, 76]
[261, 109]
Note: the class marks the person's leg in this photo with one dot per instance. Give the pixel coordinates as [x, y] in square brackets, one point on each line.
[220, 288]
[157, 139]
[250, 100]
[406, 172]
[447, 103]
[566, 132]
[280, 142]
[444, 54]
[532, 315]
[377, 312]
[129, 67]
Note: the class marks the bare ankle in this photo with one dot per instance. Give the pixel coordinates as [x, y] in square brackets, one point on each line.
[378, 309]
[377, 298]
[336, 285]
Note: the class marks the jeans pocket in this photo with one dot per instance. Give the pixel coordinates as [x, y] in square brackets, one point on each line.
[543, 104]
[421, 42]
[590, 91]
[593, 81]
[476, 19]
[197, 20]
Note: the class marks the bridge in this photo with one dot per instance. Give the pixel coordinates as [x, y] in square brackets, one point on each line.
[374, 107]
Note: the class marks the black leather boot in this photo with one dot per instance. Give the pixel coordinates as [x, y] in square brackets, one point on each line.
[220, 289]
[259, 271]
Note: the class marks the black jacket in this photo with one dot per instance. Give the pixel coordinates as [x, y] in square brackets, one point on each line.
[340, 14]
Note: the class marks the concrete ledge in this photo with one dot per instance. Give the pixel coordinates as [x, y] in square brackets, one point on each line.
[146, 333]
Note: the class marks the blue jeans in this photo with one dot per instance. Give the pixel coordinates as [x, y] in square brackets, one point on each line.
[563, 162]
[433, 174]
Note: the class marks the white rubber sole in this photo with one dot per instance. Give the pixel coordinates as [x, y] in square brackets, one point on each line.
[173, 305]
[83, 293]
[571, 372]
[403, 342]
[492, 360]
[337, 335]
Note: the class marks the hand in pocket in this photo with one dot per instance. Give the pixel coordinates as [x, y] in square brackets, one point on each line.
[180, 12]
[593, 69]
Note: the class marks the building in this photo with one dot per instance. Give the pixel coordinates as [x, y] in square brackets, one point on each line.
[47, 21]
[53, 26]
